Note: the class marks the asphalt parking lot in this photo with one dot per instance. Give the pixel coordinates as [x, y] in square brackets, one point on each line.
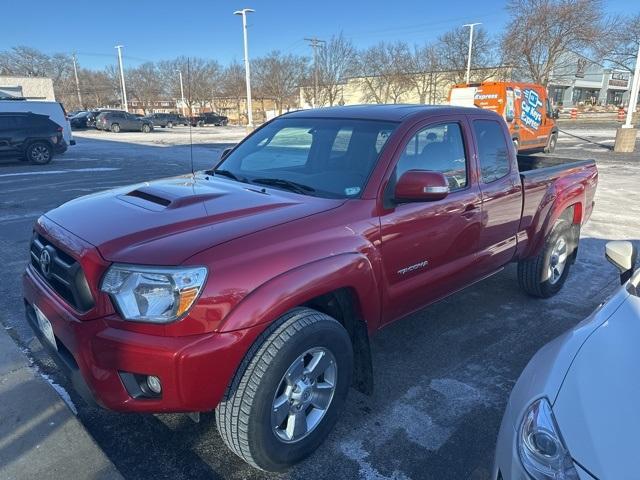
[442, 375]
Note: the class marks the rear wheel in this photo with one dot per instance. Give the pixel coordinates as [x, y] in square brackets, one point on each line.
[544, 275]
[115, 128]
[289, 390]
[551, 143]
[169, 124]
[39, 153]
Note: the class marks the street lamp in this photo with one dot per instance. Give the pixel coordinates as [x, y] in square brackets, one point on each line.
[243, 13]
[181, 90]
[124, 88]
[470, 25]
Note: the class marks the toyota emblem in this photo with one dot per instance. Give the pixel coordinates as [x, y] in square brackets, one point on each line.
[45, 262]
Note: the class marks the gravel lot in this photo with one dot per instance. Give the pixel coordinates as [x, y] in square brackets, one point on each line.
[442, 375]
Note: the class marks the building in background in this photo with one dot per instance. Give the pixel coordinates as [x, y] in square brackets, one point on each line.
[31, 88]
[579, 81]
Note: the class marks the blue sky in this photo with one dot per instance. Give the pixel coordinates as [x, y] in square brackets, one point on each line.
[155, 30]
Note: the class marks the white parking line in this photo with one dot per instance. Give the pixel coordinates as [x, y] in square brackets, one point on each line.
[51, 172]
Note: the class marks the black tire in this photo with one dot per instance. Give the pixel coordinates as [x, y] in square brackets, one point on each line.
[533, 273]
[39, 153]
[146, 128]
[244, 416]
[551, 143]
[115, 128]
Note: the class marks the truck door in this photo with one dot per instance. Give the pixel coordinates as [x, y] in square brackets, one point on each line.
[428, 247]
[501, 192]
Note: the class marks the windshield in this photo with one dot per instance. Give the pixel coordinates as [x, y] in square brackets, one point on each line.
[330, 158]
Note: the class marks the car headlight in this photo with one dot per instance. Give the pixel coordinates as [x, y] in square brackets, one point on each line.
[540, 445]
[153, 294]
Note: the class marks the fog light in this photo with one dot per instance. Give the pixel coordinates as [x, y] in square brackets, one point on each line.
[154, 384]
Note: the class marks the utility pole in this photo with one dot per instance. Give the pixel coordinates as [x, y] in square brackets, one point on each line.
[633, 97]
[470, 25]
[247, 72]
[75, 73]
[626, 135]
[181, 90]
[124, 88]
[315, 43]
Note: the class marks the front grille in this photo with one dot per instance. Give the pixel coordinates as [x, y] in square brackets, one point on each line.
[62, 272]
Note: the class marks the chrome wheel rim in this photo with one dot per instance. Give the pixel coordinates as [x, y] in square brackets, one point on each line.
[558, 260]
[40, 153]
[304, 395]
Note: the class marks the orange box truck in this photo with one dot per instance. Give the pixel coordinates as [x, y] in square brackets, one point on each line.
[525, 107]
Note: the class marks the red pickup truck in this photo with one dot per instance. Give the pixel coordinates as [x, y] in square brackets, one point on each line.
[253, 288]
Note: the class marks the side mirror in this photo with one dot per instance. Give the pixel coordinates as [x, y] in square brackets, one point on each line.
[225, 152]
[421, 186]
[623, 255]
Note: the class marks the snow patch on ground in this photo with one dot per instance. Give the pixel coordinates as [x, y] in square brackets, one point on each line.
[61, 391]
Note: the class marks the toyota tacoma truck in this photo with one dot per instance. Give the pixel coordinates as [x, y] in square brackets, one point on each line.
[252, 289]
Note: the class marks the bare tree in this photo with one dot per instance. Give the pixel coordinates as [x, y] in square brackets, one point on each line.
[621, 49]
[98, 88]
[541, 33]
[381, 73]
[279, 76]
[424, 72]
[145, 85]
[234, 85]
[453, 52]
[335, 63]
[198, 75]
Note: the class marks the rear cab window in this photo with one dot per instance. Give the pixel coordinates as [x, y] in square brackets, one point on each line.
[493, 150]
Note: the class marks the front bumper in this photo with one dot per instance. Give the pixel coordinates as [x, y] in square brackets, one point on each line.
[194, 370]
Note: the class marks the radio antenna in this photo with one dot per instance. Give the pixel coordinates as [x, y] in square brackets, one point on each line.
[193, 173]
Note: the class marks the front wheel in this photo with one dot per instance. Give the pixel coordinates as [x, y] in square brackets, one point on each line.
[39, 153]
[551, 144]
[146, 128]
[288, 392]
[115, 128]
[544, 275]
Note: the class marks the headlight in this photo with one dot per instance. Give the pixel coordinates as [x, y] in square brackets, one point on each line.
[540, 445]
[153, 294]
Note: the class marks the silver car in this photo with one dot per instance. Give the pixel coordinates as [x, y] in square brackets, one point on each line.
[574, 413]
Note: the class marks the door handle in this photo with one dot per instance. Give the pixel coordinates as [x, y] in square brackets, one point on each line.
[469, 210]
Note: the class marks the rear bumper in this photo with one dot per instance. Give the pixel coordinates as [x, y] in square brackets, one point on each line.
[94, 354]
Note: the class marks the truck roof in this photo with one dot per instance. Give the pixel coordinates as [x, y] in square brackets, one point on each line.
[386, 112]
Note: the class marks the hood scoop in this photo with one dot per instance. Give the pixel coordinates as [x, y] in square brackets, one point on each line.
[158, 199]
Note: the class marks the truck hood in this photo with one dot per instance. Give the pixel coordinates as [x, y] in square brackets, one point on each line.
[597, 405]
[167, 221]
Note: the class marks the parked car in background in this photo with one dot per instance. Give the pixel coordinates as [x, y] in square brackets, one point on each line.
[33, 137]
[80, 120]
[573, 413]
[74, 113]
[525, 107]
[123, 122]
[54, 110]
[252, 288]
[209, 118]
[168, 120]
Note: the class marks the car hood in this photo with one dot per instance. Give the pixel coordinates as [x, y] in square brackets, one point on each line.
[597, 407]
[167, 221]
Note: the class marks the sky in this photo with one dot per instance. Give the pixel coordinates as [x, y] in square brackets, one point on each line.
[160, 29]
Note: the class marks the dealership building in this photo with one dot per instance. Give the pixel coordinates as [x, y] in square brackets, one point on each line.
[31, 88]
[580, 81]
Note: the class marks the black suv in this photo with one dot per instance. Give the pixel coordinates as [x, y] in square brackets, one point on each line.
[122, 122]
[209, 118]
[34, 137]
[168, 120]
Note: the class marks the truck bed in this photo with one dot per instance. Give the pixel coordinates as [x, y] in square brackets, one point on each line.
[544, 179]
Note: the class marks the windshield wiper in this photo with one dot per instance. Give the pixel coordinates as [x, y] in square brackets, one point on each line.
[226, 173]
[286, 184]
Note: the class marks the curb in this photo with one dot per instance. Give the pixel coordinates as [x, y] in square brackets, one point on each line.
[40, 437]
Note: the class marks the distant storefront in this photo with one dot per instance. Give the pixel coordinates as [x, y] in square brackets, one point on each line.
[579, 81]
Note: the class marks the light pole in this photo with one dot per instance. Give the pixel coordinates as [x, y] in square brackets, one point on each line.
[626, 135]
[633, 97]
[181, 90]
[470, 25]
[124, 88]
[243, 13]
[75, 74]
